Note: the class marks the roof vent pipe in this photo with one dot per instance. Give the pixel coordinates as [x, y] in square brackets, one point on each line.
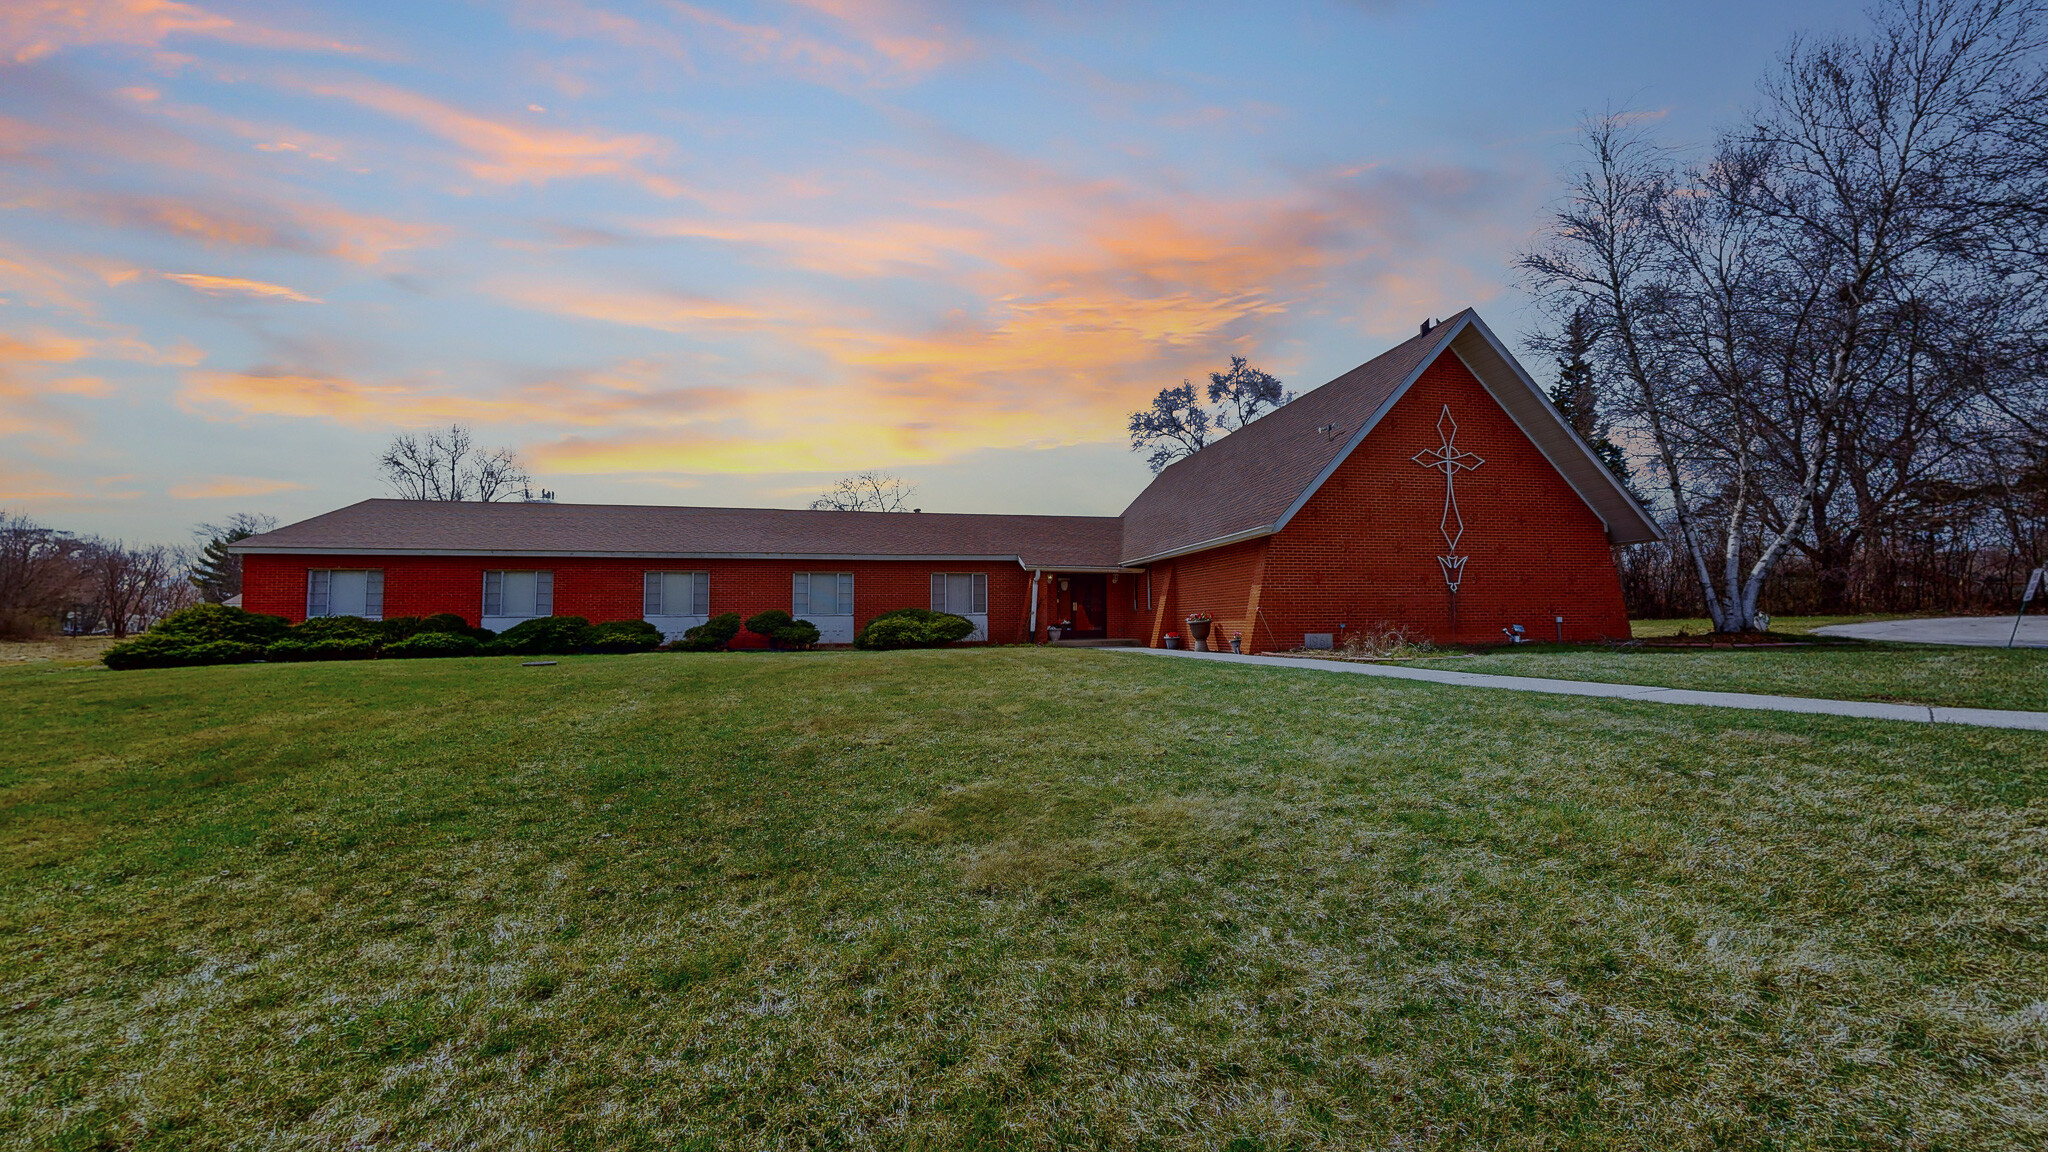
[1426, 326]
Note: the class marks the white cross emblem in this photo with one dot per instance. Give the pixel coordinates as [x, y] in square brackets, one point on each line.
[1448, 458]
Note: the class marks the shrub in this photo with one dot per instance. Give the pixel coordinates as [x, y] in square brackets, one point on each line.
[625, 636]
[544, 636]
[293, 649]
[203, 623]
[710, 636]
[449, 622]
[421, 644]
[913, 628]
[354, 629]
[798, 634]
[781, 630]
[395, 628]
[155, 651]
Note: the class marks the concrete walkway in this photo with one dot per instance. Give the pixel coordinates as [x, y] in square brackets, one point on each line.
[1869, 710]
[1975, 631]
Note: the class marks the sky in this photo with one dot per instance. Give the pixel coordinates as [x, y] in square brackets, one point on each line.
[721, 253]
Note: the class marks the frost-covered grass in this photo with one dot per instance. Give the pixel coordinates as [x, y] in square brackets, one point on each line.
[1010, 898]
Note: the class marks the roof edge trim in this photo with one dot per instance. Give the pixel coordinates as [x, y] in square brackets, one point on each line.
[1628, 499]
[1218, 542]
[1373, 421]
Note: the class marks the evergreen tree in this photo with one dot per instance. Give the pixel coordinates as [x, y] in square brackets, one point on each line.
[217, 573]
[1578, 400]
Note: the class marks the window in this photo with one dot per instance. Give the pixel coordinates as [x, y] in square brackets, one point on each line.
[345, 592]
[961, 593]
[822, 594]
[677, 594]
[519, 594]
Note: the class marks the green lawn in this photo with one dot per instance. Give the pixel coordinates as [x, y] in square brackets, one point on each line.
[1002, 899]
[1909, 673]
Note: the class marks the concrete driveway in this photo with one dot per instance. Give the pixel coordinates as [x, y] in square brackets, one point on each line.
[1977, 631]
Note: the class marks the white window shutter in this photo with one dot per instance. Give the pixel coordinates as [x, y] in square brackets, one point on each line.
[494, 593]
[650, 594]
[845, 594]
[700, 603]
[938, 591]
[543, 593]
[980, 606]
[373, 594]
[316, 592]
[800, 594]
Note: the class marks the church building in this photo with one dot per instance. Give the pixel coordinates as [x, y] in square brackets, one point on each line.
[1434, 487]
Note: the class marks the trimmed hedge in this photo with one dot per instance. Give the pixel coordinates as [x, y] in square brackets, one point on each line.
[423, 644]
[710, 636]
[202, 623]
[782, 630]
[351, 628]
[625, 636]
[153, 651]
[913, 628]
[343, 647]
[544, 636]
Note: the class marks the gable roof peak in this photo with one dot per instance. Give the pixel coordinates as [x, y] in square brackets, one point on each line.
[1251, 482]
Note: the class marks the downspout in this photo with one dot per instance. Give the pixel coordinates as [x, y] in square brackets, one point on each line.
[1033, 633]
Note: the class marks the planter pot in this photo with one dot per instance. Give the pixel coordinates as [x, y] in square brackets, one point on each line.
[1234, 645]
[1052, 635]
[1199, 630]
[1172, 641]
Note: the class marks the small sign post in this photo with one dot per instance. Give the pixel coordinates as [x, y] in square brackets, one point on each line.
[2034, 582]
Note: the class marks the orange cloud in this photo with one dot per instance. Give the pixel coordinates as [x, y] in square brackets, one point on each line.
[863, 249]
[226, 285]
[663, 311]
[32, 29]
[509, 152]
[297, 227]
[637, 392]
[230, 487]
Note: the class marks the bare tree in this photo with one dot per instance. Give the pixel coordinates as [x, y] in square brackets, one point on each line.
[869, 491]
[1176, 426]
[448, 466]
[1795, 324]
[39, 576]
[129, 589]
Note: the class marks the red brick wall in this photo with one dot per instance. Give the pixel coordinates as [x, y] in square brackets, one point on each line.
[607, 589]
[1224, 582]
[1364, 548]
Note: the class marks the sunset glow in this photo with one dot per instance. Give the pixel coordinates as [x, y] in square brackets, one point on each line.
[717, 252]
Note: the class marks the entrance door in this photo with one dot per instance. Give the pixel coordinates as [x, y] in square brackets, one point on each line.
[1088, 605]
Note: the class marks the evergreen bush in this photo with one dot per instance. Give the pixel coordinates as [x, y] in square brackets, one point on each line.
[913, 628]
[153, 651]
[710, 636]
[293, 649]
[543, 636]
[351, 628]
[202, 623]
[781, 630]
[625, 636]
[423, 644]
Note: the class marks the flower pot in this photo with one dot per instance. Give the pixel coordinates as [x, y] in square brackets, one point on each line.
[1199, 629]
[1235, 645]
[1052, 635]
[1172, 641]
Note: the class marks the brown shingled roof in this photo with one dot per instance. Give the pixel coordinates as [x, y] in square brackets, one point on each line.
[471, 528]
[1244, 484]
[1252, 481]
